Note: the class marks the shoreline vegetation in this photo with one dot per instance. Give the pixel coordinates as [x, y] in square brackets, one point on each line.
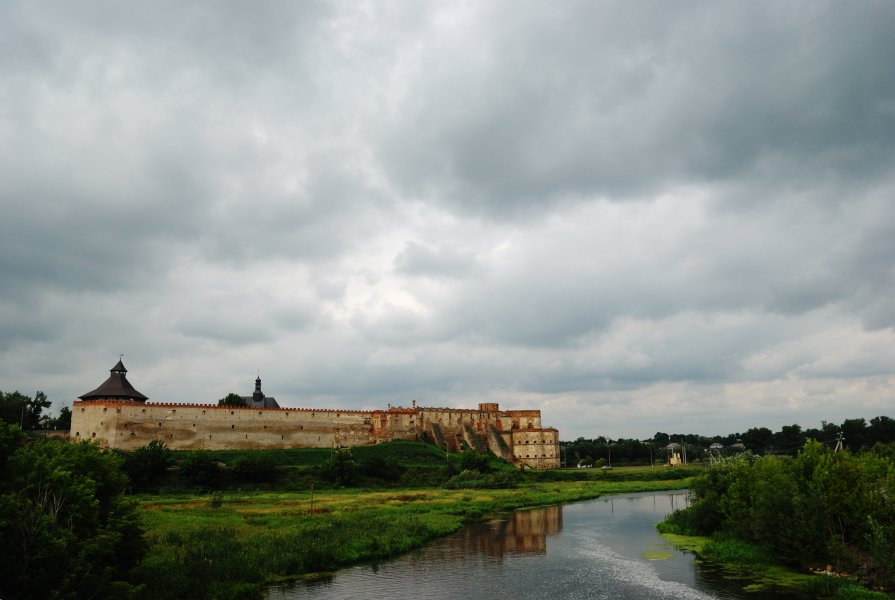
[233, 545]
[821, 523]
[80, 521]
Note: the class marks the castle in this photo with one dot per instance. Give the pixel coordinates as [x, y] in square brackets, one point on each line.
[116, 415]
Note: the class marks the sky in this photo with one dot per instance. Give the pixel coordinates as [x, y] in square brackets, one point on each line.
[633, 216]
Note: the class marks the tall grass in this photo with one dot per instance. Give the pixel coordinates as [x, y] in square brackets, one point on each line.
[249, 540]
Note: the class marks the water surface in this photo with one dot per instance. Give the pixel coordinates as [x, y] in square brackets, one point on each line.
[605, 548]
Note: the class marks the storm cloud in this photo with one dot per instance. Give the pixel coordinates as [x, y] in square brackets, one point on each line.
[636, 217]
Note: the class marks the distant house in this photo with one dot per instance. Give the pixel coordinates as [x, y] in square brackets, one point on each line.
[258, 399]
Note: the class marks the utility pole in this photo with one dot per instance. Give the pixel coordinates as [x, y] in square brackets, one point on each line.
[609, 450]
[839, 441]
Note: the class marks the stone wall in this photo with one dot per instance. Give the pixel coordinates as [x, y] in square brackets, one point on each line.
[513, 435]
[538, 448]
[211, 427]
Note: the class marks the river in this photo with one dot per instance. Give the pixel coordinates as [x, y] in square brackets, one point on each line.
[605, 548]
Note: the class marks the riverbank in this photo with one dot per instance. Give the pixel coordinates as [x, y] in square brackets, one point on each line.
[230, 545]
[740, 560]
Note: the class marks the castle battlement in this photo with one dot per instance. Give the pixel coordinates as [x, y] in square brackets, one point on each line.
[116, 420]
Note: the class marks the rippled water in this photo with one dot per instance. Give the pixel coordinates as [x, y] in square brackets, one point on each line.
[595, 549]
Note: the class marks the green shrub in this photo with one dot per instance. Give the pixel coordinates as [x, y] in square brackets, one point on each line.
[255, 468]
[147, 466]
[340, 469]
[470, 460]
[386, 468]
[67, 529]
[476, 480]
[723, 548]
[198, 468]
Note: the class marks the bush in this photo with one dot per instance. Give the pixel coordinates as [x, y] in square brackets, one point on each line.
[470, 460]
[815, 509]
[255, 468]
[68, 531]
[198, 468]
[147, 466]
[384, 468]
[475, 480]
[340, 469]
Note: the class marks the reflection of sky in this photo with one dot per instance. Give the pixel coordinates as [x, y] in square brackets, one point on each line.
[588, 550]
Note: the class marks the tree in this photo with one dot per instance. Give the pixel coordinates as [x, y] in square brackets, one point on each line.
[18, 409]
[757, 439]
[67, 529]
[854, 431]
[882, 429]
[146, 465]
[789, 439]
[232, 399]
[470, 460]
[341, 468]
[62, 422]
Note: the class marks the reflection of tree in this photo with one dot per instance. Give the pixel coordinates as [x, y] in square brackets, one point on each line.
[523, 532]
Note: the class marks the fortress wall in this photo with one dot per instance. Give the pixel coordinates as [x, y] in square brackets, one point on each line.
[396, 424]
[522, 419]
[537, 448]
[189, 426]
[130, 425]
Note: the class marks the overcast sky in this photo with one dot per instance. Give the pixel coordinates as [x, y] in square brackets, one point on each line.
[634, 216]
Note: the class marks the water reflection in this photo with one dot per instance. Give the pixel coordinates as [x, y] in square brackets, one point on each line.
[596, 549]
[519, 533]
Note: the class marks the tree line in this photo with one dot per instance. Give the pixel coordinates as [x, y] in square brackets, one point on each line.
[856, 434]
[27, 412]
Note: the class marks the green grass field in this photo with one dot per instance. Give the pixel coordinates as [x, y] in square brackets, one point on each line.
[230, 544]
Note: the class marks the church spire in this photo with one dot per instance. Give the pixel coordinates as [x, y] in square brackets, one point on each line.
[258, 396]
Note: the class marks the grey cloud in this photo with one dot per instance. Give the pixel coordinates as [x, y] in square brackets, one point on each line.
[607, 205]
[420, 260]
[622, 100]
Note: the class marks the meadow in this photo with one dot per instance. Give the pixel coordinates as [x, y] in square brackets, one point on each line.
[230, 544]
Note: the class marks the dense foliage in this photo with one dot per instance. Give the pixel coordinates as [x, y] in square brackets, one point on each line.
[232, 399]
[67, 529]
[857, 434]
[18, 409]
[816, 509]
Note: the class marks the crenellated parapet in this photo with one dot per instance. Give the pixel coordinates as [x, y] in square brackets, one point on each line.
[129, 423]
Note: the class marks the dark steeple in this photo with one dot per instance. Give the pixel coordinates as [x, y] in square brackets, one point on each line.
[116, 387]
[258, 396]
[258, 399]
